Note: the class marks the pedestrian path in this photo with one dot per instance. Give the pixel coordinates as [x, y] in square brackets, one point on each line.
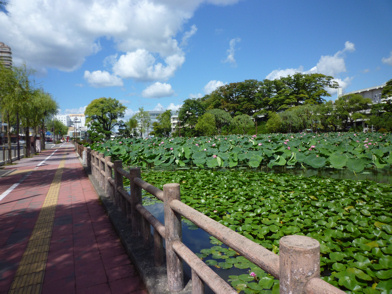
[54, 234]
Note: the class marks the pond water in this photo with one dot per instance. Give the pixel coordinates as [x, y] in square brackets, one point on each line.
[195, 240]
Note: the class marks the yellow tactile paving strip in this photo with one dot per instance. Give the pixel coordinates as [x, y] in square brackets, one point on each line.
[30, 273]
[15, 172]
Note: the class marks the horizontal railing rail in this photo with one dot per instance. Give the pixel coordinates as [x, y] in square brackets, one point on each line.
[297, 266]
[8, 155]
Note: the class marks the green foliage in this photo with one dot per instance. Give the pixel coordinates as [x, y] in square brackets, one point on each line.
[241, 123]
[103, 115]
[351, 220]
[274, 123]
[144, 121]
[206, 124]
[387, 90]
[162, 128]
[188, 115]
[356, 152]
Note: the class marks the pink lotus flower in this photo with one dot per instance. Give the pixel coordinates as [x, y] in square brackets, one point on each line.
[260, 144]
[288, 147]
[171, 148]
[252, 274]
[214, 156]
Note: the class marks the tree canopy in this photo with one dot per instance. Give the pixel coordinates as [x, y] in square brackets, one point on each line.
[104, 114]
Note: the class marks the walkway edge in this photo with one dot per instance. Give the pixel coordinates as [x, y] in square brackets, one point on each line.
[154, 278]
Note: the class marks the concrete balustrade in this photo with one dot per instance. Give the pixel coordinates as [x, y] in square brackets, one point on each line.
[297, 266]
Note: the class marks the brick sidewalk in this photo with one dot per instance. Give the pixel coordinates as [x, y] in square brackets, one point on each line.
[54, 234]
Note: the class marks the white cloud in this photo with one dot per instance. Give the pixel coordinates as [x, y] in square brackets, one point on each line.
[141, 65]
[123, 101]
[62, 34]
[327, 65]
[128, 114]
[188, 35]
[102, 79]
[231, 51]
[79, 110]
[159, 107]
[195, 96]
[348, 46]
[387, 60]
[212, 86]
[279, 73]
[158, 90]
[173, 107]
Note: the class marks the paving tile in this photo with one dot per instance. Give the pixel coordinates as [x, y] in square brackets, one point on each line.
[127, 285]
[85, 254]
[96, 289]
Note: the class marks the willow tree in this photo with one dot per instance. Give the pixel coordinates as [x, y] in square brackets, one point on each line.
[14, 96]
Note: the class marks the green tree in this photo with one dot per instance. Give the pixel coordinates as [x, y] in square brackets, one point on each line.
[290, 121]
[348, 105]
[15, 95]
[58, 128]
[103, 115]
[162, 127]
[144, 121]
[236, 98]
[188, 116]
[301, 89]
[387, 90]
[129, 127]
[322, 116]
[242, 123]
[274, 123]
[222, 119]
[206, 125]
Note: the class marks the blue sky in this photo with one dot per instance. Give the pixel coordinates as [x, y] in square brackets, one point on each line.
[157, 53]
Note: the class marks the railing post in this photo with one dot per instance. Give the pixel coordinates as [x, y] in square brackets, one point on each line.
[89, 159]
[118, 182]
[159, 252]
[197, 283]
[93, 163]
[84, 157]
[175, 273]
[101, 167]
[299, 262]
[136, 198]
[108, 175]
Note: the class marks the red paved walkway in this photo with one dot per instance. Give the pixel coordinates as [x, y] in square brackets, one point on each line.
[54, 234]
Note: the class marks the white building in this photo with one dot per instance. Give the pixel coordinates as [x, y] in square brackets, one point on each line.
[76, 124]
[373, 93]
[174, 121]
[64, 119]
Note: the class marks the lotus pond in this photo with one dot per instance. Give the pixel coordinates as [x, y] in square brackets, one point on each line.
[351, 219]
[355, 152]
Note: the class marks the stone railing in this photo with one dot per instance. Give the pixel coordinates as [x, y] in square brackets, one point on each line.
[297, 266]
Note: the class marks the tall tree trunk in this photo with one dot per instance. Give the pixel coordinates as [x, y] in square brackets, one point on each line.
[17, 134]
[28, 142]
[43, 136]
[9, 138]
